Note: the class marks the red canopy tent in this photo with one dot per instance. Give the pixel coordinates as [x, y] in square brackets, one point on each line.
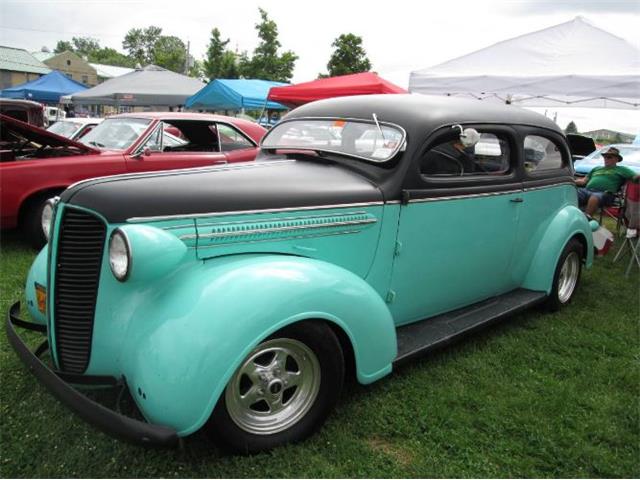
[366, 83]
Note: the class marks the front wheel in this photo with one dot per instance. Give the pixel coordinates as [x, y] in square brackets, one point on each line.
[282, 391]
[567, 275]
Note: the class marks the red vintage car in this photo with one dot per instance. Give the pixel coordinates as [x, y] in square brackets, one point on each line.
[36, 165]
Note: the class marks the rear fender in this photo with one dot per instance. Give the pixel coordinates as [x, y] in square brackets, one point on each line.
[567, 223]
[184, 345]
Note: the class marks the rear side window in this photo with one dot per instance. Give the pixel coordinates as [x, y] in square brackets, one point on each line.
[490, 156]
[232, 139]
[541, 154]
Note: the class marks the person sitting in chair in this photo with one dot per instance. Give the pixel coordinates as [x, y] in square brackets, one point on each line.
[598, 188]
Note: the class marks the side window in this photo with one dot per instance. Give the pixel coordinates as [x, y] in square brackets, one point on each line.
[154, 142]
[232, 139]
[490, 156]
[540, 154]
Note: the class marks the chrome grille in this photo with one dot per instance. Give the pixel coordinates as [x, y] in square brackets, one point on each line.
[80, 246]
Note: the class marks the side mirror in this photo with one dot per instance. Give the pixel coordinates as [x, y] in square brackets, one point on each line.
[146, 151]
[468, 136]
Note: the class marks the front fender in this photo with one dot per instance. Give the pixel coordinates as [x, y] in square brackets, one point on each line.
[183, 347]
[37, 274]
[567, 223]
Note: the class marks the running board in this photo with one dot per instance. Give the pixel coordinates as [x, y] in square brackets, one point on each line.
[420, 337]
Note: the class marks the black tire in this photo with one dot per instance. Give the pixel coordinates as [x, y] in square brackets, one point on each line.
[563, 290]
[232, 424]
[30, 224]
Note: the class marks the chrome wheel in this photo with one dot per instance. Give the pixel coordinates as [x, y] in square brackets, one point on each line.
[568, 278]
[274, 387]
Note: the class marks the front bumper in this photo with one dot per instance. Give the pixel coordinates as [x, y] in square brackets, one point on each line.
[110, 422]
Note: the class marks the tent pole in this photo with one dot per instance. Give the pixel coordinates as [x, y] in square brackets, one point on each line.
[264, 107]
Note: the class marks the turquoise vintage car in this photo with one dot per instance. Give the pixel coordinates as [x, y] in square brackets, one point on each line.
[237, 298]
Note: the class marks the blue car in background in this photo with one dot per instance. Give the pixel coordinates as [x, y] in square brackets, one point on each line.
[629, 152]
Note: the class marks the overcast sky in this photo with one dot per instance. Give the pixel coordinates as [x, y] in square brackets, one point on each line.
[399, 36]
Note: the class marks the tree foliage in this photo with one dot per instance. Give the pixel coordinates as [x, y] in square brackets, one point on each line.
[170, 52]
[90, 49]
[220, 62]
[266, 63]
[348, 57]
[571, 128]
[140, 43]
[148, 45]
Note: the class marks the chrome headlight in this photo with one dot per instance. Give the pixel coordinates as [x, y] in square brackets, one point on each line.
[47, 217]
[119, 255]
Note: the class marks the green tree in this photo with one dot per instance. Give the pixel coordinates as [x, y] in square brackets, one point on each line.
[348, 57]
[169, 52]
[140, 43]
[571, 128]
[266, 63]
[110, 56]
[220, 62]
[63, 46]
[85, 46]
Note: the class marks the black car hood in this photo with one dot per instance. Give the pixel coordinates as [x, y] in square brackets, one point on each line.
[243, 187]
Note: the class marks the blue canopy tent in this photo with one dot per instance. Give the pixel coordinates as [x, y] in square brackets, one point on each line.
[239, 94]
[46, 89]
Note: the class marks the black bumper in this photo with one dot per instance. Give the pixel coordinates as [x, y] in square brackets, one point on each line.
[110, 422]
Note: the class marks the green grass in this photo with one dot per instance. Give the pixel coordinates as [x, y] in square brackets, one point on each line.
[540, 395]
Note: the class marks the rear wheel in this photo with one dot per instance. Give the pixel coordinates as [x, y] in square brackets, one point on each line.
[567, 275]
[282, 391]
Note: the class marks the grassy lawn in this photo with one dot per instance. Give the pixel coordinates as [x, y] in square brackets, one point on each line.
[541, 395]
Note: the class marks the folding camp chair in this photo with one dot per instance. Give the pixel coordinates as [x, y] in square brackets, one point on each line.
[631, 221]
[616, 209]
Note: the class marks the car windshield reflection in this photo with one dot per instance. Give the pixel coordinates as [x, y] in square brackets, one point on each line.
[116, 133]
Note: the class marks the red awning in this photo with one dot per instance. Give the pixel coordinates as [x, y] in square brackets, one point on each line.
[366, 83]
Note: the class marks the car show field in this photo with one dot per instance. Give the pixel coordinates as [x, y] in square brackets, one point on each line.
[537, 396]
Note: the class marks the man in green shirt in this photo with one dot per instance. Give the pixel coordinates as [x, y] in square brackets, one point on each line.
[600, 185]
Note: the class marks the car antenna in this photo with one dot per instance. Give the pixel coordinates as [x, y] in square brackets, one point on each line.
[375, 119]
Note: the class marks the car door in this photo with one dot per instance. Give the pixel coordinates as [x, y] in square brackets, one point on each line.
[458, 224]
[548, 185]
[161, 150]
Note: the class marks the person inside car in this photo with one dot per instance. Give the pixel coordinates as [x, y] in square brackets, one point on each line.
[598, 188]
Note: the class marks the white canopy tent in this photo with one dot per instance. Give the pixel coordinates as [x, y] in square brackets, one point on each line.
[571, 64]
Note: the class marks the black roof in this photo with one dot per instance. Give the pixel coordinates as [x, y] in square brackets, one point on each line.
[422, 113]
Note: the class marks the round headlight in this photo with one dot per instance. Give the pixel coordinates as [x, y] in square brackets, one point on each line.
[45, 219]
[119, 255]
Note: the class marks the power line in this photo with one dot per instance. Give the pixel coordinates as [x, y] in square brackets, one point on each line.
[93, 34]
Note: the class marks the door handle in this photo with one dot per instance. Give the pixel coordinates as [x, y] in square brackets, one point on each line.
[517, 200]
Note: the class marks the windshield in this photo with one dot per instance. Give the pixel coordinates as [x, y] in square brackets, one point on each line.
[65, 129]
[356, 138]
[116, 133]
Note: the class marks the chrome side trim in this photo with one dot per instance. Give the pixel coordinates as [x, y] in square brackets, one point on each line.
[282, 219]
[167, 173]
[268, 230]
[545, 187]
[250, 212]
[467, 195]
[296, 237]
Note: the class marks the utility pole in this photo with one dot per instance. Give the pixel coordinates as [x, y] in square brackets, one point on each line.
[186, 58]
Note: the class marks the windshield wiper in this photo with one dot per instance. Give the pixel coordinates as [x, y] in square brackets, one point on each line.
[95, 144]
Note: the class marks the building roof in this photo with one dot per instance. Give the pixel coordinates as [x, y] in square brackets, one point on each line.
[109, 71]
[19, 60]
[43, 56]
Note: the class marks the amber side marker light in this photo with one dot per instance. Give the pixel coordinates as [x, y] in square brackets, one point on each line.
[41, 297]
